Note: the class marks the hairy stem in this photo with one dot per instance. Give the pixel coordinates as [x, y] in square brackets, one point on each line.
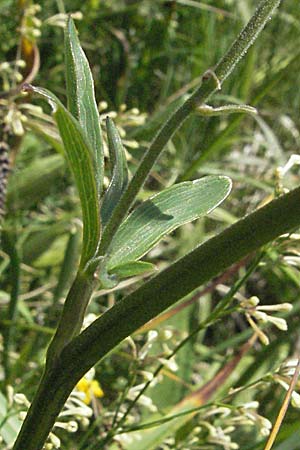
[209, 85]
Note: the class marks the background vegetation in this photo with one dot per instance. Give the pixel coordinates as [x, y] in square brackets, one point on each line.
[144, 56]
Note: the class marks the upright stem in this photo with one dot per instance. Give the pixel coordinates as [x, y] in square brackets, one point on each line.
[72, 315]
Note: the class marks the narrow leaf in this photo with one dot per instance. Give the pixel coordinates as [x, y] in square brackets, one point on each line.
[133, 268]
[68, 266]
[34, 182]
[163, 213]
[81, 97]
[40, 240]
[79, 156]
[119, 179]
[209, 111]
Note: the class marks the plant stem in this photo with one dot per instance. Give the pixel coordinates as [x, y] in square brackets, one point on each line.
[205, 262]
[72, 315]
[210, 84]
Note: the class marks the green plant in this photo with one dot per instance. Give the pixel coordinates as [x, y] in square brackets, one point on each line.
[106, 229]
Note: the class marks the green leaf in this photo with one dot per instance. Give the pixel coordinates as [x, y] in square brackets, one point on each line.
[163, 213]
[81, 98]
[69, 265]
[119, 179]
[39, 241]
[34, 182]
[133, 268]
[79, 156]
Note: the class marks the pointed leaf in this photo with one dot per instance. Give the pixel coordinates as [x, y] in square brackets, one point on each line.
[81, 97]
[133, 268]
[163, 213]
[79, 156]
[119, 179]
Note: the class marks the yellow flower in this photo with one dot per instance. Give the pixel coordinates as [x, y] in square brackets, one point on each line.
[90, 388]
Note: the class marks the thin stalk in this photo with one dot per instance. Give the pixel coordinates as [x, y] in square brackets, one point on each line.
[202, 264]
[224, 135]
[211, 82]
[226, 300]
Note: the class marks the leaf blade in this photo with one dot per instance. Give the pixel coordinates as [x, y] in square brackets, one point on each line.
[81, 97]
[163, 213]
[79, 156]
[119, 179]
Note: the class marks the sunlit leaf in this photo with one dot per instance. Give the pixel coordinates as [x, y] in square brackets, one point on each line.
[163, 213]
[79, 156]
[133, 268]
[81, 97]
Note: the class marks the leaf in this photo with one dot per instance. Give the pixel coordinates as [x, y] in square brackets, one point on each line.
[163, 213]
[34, 182]
[119, 179]
[69, 265]
[79, 156]
[39, 241]
[81, 98]
[133, 268]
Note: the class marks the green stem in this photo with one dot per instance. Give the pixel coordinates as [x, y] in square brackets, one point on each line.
[214, 148]
[72, 315]
[205, 262]
[210, 84]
